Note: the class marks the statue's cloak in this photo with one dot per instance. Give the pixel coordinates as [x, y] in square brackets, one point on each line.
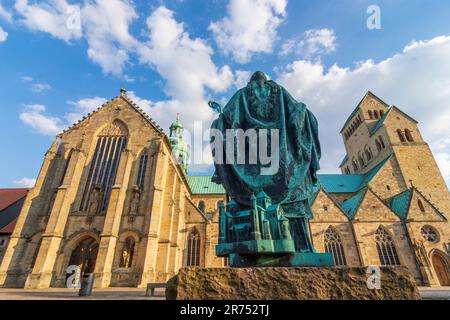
[264, 104]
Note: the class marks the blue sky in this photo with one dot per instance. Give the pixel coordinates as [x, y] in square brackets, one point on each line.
[322, 51]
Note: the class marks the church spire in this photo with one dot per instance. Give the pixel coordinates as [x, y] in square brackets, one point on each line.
[180, 149]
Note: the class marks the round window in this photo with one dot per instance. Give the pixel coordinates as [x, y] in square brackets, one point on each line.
[429, 234]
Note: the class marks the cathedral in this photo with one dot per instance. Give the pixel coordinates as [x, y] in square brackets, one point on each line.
[114, 197]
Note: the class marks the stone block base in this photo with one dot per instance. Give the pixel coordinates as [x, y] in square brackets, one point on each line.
[278, 283]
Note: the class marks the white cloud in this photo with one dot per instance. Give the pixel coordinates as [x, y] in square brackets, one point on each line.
[50, 16]
[27, 79]
[25, 183]
[187, 67]
[443, 161]
[106, 24]
[250, 27]
[311, 42]
[35, 117]
[3, 35]
[416, 80]
[82, 107]
[5, 14]
[40, 87]
[242, 77]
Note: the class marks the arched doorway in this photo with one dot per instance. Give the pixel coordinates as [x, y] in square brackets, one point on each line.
[85, 255]
[442, 269]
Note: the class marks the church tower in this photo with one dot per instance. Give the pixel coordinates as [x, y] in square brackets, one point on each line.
[375, 132]
[180, 149]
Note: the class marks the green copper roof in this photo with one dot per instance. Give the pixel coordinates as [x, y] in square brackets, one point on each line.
[380, 122]
[400, 203]
[204, 185]
[331, 183]
[341, 183]
[351, 206]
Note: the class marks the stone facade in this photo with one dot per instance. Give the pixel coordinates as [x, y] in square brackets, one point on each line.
[132, 216]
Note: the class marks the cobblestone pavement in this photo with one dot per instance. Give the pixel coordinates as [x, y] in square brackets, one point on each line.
[139, 294]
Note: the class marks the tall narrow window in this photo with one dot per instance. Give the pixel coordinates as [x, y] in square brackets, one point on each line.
[355, 165]
[382, 142]
[110, 143]
[408, 135]
[401, 136]
[126, 258]
[66, 166]
[141, 171]
[201, 206]
[386, 249]
[420, 204]
[377, 143]
[370, 114]
[375, 114]
[333, 245]
[193, 249]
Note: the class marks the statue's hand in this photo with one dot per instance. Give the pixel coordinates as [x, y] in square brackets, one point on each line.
[215, 106]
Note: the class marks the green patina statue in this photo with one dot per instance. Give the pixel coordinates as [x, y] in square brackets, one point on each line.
[266, 220]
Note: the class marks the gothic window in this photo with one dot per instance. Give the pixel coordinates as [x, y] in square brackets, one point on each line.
[400, 135]
[110, 143]
[408, 135]
[429, 234]
[141, 171]
[201, 206]
[355, 165]
[420, 204]
[375, 114]
[334, 246]
[193, 249]
[377, 143]
[382, 142]
[385, 248]
[126, 258]
[370, 114]
[66, 166]
[361, 161]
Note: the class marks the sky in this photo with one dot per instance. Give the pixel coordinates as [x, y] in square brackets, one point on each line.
[61, 59]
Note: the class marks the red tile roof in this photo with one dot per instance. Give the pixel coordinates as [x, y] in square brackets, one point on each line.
[11, 196]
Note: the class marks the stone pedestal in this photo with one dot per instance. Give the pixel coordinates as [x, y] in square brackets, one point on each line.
[278, 283]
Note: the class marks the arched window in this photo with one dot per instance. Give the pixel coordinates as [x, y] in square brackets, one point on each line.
[368, 153]
[400, 135]
[429, 234]
[420, 204]
[111, 141]
[334, 246]
[66, 166]
[355, 165]
[361, 161]
[127, 254]
[408, 135]
[370, 114]
[141, 171]
[193, 249]
[385, 248]
[375, 114]
[377, 143]
[201, 206]
[382, 142]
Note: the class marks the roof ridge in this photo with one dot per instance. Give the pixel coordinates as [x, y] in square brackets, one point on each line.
[132, 104]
